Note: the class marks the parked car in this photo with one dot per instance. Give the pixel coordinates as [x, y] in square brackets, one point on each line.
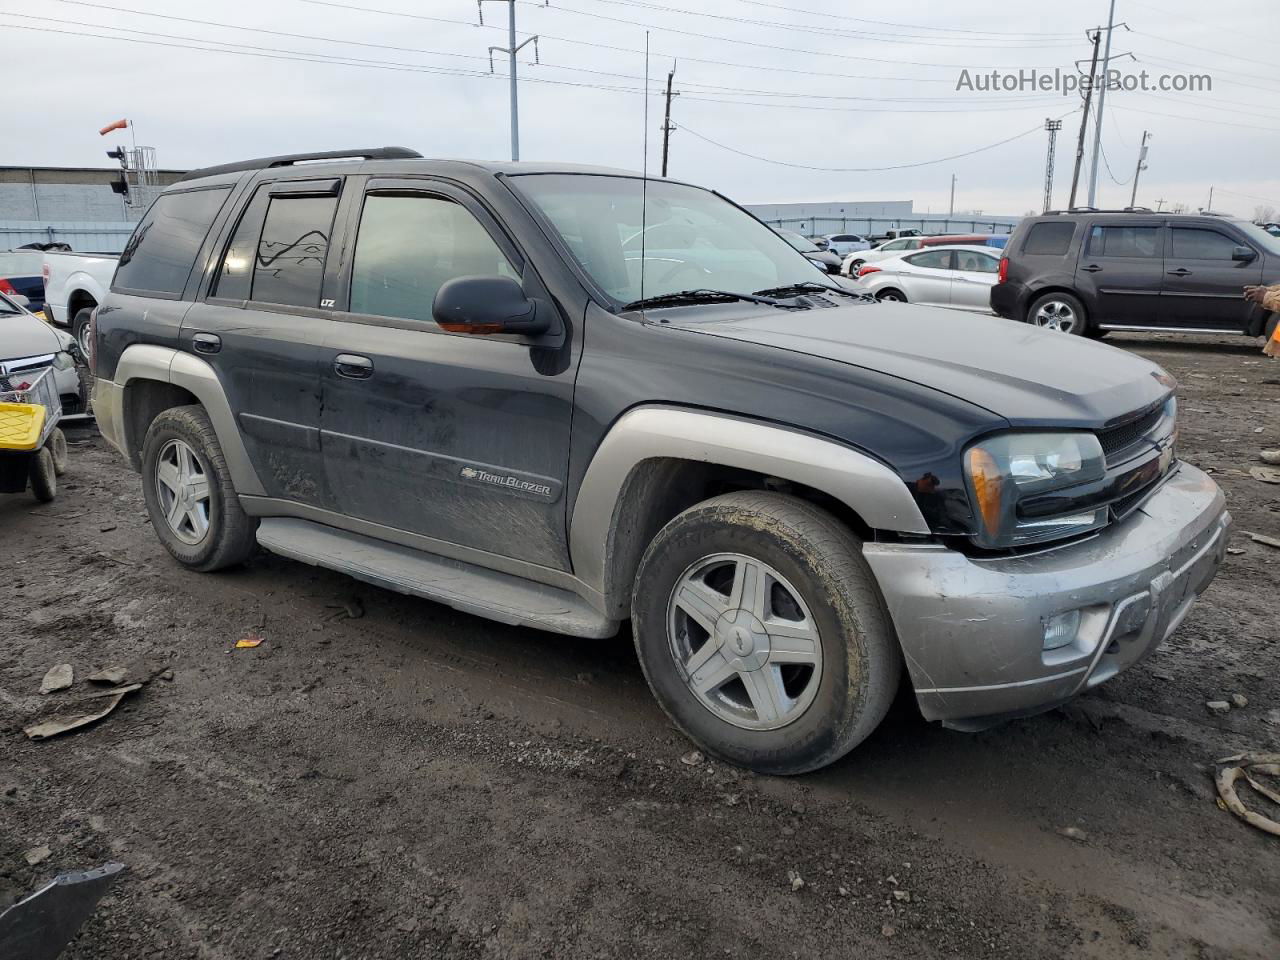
[827, 261]
[74, 284]
[452, 380]
[843, 244]
[1090, 273]
[20, 274]
[889, 248]
[896, 233]
[956, 277]
[28, 345]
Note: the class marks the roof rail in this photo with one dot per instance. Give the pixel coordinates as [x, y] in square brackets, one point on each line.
[1101, 210]
[288, 159]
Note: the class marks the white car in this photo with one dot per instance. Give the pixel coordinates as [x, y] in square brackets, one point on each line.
[843, 244]
[959, 277]
[75, 283]
[28, 345]
[890, 248]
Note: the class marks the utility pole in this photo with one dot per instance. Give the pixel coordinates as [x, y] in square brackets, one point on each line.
[1084, 120]
[511, 50]
[952, 210]
[1102, 101]
[1142, 165]
[1210, 206]
[1160, 204]
[667, 125]
[1053, 126]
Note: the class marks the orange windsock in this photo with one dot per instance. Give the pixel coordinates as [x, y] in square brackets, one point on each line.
[118, 125]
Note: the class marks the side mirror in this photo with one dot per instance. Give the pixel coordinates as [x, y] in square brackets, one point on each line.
[486, 305]
[1244, 254]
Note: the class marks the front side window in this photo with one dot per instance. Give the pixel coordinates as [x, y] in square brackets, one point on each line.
[409, 245]
[159, 256]
[1189, 244]
[933, 259]
[686, 238]
[1120, 241]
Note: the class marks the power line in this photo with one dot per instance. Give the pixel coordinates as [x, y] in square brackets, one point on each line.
[887, 23]
[1010, 42]
[1107, 163]
[897, 166]
[1178, 116]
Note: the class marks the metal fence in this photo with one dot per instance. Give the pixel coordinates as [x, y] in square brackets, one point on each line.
[877, 226]
[84, 236]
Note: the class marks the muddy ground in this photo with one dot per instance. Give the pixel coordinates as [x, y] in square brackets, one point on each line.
[417, 782]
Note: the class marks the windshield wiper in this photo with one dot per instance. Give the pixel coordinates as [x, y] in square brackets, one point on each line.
[698, 296]
[807, 286]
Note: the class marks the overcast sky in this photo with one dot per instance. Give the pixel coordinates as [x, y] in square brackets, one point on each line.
[809, 88]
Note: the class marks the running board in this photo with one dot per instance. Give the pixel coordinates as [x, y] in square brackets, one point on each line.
[463, 586]
[1125, 327]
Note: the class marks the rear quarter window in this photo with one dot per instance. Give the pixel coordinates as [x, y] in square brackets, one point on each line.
[159, 256]
[1049, 239]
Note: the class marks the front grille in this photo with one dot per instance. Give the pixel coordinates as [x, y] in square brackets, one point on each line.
[1118, 439]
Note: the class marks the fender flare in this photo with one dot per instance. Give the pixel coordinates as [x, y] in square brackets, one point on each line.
[166, 365]
[870, 488]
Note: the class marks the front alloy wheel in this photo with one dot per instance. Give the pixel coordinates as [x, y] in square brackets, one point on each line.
[744, 642]
[183, 487]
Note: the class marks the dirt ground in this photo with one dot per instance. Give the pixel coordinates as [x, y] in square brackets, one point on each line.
[417, 782]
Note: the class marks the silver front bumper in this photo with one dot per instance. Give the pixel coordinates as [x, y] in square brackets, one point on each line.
[972, 631]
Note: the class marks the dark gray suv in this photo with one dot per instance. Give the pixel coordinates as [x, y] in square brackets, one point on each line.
[1089, 272]
[565, 397]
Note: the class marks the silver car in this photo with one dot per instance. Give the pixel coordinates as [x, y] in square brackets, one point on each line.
[959, 277]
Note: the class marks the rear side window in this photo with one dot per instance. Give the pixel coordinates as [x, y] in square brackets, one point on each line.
[934, 259]
[976, 262]
[1124, 242]
[278, 251]
[408, 246]
[1050, 239]
[1189, 244]
[159, 256]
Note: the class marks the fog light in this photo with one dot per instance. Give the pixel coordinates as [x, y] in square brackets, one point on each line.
[1061, 630]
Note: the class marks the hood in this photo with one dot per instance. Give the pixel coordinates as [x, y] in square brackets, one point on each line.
[22, 335]
[1026, 375]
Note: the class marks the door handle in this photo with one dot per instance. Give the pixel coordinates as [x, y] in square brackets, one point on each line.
[1091, 268]
[1180, 272]
[353, 367]
[206, 343]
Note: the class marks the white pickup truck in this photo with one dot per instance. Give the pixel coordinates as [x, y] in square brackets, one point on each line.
[75, 283]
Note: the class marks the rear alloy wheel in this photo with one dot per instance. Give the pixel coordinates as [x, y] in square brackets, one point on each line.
[1058, 311]
[80, 329]
[762, 632]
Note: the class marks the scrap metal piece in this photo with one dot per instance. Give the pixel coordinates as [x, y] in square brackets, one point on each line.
[41, 926]
[1246, 766]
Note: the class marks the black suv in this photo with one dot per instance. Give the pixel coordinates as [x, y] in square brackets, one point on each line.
[1089, 272]
[565, 397]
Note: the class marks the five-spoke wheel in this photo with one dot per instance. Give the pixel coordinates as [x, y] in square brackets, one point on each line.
[183, 485]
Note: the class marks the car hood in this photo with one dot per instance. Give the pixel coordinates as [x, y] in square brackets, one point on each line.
[1021, 373]
[22, 335]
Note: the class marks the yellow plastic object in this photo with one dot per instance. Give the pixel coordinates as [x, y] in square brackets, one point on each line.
[20, 425]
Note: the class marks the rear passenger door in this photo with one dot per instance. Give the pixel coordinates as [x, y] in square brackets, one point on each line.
[971, 284]
[927, 277]
[1121, 272]
[1203, 282]
[457, 437]
[261, 328]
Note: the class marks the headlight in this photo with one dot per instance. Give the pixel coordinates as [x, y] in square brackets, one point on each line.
[1002, 471]
[63, 361]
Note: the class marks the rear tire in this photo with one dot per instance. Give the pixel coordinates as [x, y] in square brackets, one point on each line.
[791, 675]
[891, 296]
[195, 511]
[1059, 311]
[80, 330]
[44, 480]
[57, 444]
[855, 266]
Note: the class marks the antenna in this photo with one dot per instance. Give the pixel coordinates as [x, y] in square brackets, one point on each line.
[644, 166]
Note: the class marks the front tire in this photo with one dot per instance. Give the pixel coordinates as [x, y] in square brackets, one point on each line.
[763, 634]
[190, 498]
[891, 296]
[854, 267]
[1059, 311]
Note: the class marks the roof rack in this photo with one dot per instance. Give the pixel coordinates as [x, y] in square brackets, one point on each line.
[1100, 210]
[288, 159]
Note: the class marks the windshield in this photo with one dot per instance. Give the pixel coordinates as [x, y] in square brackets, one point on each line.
[1261, 237]
[691, 238]
[803, 244]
